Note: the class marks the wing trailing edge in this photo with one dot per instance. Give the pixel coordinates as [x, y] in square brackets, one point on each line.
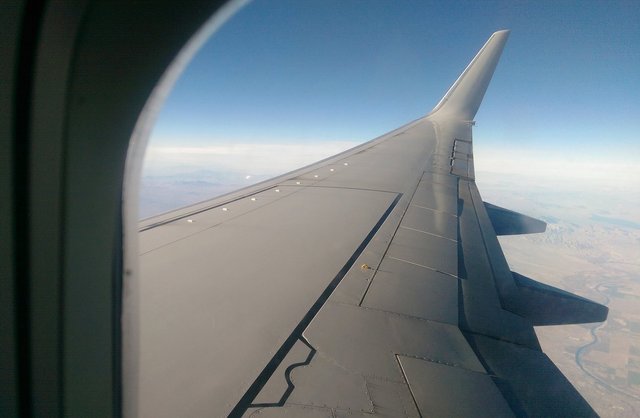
[463, 98]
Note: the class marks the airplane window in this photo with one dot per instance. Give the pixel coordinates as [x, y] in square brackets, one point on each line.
[223, 286]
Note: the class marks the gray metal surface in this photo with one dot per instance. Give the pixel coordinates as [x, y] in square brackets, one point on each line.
[431, 221]
[242, 278]
[365, 341]
[547, 305]
[436, 197]
[369, 284]
[425, 250]
[412, 290]
[482, 310]
[475, 394]
[508, 222]
[532, 385]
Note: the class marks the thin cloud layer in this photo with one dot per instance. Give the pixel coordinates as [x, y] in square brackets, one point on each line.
[251, 159]
[572, 167]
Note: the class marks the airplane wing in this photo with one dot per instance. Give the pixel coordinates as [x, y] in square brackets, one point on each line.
[369, 284]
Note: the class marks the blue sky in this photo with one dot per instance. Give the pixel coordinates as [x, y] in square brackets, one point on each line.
[294, 71]
[285, 83]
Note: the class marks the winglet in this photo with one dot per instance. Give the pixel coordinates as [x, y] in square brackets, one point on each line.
[463, 99]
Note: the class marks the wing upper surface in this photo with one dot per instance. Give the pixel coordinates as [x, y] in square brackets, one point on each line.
[369, 284]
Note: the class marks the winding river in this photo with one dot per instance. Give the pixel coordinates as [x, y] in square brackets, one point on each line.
[581, 351]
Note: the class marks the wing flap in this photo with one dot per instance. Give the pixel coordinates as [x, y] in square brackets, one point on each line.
[530, 382]
[476, 394]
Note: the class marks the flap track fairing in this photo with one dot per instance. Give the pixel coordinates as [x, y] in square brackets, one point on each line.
[547, 305]
[508, 222]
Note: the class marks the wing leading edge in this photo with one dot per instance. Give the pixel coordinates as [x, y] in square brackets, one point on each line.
[369, 284]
